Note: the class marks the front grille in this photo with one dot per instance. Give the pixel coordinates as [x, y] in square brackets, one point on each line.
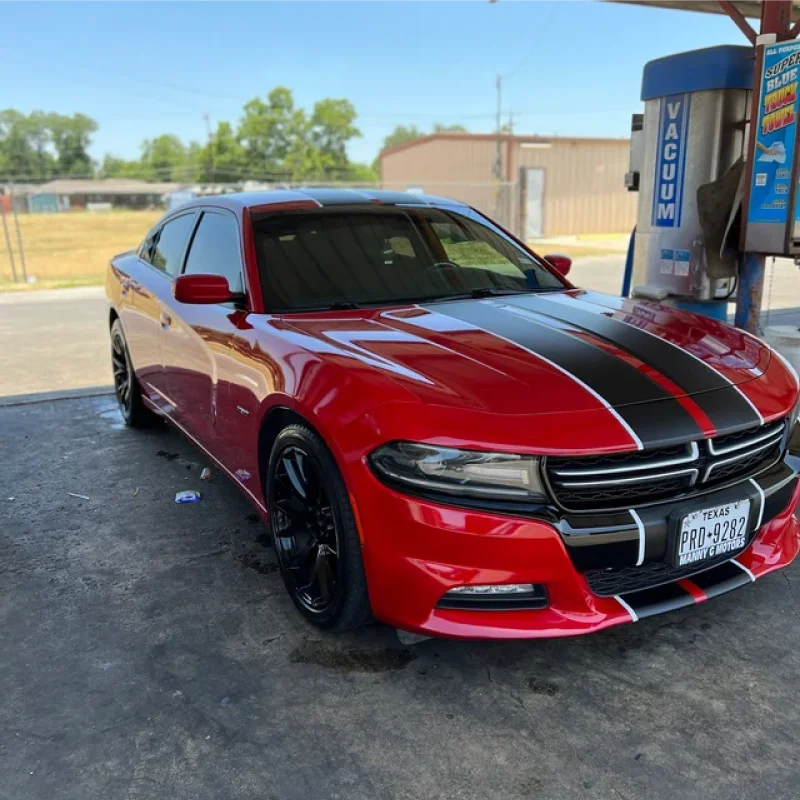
[625, 480]
[608, 582]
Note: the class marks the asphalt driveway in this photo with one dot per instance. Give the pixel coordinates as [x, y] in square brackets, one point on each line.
[148, 650]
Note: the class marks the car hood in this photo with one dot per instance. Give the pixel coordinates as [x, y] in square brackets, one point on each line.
[554, 353]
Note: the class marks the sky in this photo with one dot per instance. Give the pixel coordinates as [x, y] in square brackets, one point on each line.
[141, 69]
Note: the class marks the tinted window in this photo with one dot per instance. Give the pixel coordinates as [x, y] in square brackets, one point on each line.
[215, 249]
[171, 241]
[146, 247]
[386, 255]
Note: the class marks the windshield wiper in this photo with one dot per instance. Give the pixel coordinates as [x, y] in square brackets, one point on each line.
[485, 291]
[343, 305]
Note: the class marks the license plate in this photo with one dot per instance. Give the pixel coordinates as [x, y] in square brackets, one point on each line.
[712, 532]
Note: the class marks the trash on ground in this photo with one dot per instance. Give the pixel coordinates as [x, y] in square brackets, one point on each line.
[79, 496]
[242, 474]
[136, 491]
[11, 499]
[205, 474]
[188, 496]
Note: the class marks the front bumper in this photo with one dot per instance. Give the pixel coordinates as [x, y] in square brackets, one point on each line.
[416, 550]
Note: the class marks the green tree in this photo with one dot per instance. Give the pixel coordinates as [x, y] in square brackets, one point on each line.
[268, 130]
[223, 159]
[332, 127]
[71, 137]
[279, 140]
[360, 173]
[16, 153]
[164, 158]
[401, 134]
[40, 138]
[113, 167]
[439, 128]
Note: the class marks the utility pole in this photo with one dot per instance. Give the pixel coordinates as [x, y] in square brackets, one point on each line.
[498, 163]
[212, 148]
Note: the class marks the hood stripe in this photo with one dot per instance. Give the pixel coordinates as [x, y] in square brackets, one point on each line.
[720, 400]
[623, 390]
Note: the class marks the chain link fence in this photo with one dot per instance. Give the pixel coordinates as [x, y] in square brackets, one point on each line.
[69, 242]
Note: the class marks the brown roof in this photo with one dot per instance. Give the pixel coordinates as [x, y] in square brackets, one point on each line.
[493, 137]
[121, 186]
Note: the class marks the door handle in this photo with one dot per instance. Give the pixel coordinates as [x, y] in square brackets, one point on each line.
[166, 320]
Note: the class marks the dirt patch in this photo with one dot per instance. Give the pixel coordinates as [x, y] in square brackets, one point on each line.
[384, 660]
[257, 562]
[543, 686]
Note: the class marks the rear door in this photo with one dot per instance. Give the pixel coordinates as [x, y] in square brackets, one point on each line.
[197, 344]
[160, 258]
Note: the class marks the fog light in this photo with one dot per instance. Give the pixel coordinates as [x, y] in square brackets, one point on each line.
[497, 588]
[496, 597]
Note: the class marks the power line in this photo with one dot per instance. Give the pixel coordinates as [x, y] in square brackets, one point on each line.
[535, 46]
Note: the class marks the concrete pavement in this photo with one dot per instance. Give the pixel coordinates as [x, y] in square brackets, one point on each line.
[53, 340]
[149, 651]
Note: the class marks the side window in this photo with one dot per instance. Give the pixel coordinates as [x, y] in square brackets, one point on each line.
[215, 249]
[171, 241]
[146, 247]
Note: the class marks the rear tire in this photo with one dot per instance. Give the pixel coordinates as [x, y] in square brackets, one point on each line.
[126, 388]
[314, 532]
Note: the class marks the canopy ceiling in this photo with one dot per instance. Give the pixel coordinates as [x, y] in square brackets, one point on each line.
[750, 8]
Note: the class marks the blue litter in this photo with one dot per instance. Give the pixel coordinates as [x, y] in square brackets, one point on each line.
[189, 496]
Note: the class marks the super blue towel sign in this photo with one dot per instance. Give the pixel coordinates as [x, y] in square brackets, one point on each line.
[671, 161]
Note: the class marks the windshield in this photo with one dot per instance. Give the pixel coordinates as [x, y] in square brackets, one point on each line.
[385, 255]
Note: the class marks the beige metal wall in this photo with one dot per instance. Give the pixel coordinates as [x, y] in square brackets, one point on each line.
[583, 186]
[457, 168]
[584, 191]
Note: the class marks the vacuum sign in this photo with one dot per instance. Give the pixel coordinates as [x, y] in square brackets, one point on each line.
[670, 161]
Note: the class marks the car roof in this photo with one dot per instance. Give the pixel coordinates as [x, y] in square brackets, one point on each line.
[322, 196]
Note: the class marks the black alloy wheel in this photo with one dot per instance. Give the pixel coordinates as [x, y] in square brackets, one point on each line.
[123, 377]
[314, 532]
[126, 387]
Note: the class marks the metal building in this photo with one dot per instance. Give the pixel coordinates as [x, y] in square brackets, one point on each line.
[551, 186]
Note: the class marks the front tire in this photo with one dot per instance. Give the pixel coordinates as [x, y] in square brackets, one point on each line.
[314, 532]
[126, 388]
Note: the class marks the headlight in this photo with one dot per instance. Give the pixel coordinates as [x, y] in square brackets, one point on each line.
[465, 473]
[794, 415]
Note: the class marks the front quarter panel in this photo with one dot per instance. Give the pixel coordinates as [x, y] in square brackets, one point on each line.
[272, 365]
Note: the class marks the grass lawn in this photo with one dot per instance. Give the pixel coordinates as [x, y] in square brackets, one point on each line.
[72, 249]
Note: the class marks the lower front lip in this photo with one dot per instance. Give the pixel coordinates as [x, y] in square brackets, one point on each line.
[416, 550]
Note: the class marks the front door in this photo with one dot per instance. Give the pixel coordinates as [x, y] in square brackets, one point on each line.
[197, 340]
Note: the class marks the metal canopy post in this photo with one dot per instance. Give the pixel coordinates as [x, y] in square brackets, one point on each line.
[775, 19]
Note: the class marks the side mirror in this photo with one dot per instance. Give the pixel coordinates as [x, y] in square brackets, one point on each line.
[561, 263]
[202, 289]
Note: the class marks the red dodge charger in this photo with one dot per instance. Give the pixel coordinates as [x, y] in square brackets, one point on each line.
[440, 430]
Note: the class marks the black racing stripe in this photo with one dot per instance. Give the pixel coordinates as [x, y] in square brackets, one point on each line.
[621, 385]
[777, 501]
[337, 197]
[720, 579]
[650, 602]
[721, 402]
